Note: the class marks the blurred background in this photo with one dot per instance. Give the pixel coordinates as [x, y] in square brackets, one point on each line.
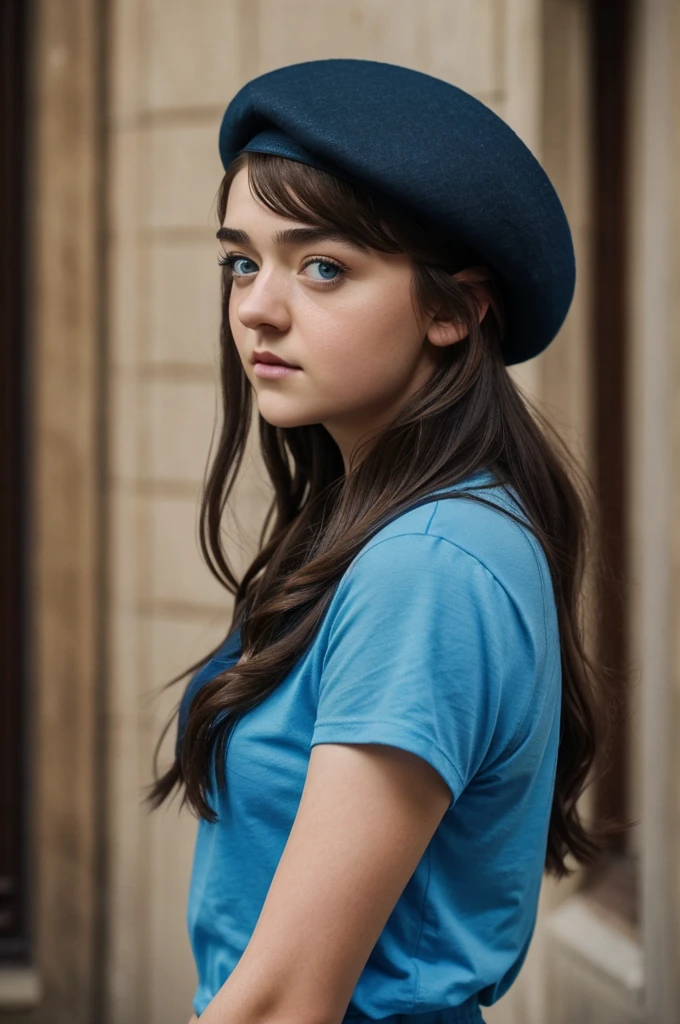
[109, 315]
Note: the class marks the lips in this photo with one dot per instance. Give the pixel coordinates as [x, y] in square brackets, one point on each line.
[271, 359]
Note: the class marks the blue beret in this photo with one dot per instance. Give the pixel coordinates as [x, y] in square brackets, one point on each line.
[430, 147]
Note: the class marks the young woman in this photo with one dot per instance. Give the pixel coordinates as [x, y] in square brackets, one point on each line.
[385, 754]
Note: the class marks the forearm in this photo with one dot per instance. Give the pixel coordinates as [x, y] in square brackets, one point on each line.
[248, 997]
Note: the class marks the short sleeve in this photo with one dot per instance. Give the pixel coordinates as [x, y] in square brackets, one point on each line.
[423, 647]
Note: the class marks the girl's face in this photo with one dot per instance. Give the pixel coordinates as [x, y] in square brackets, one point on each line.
[340, 313]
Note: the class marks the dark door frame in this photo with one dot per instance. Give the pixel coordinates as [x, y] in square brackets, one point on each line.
[15, 939]
[610, 55]
[62, 455]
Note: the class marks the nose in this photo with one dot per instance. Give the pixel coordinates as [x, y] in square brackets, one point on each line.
[264, 302]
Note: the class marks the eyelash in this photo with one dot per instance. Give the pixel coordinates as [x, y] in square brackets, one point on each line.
[231, 257]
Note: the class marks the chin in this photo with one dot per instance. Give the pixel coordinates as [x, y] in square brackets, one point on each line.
[286, 417]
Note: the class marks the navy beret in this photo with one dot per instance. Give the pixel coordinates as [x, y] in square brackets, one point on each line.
[431, 147]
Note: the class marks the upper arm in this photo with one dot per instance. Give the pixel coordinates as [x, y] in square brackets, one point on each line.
[366, 816]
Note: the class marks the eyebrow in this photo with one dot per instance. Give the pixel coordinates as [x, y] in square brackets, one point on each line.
[292, 236]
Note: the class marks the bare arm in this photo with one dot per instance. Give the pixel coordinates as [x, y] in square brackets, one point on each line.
[366, 816]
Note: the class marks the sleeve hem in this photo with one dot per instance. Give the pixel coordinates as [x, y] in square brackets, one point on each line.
[349, 730]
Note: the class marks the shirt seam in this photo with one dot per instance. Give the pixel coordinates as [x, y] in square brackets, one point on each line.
[434, 536]
[454, 544]
[529, 540]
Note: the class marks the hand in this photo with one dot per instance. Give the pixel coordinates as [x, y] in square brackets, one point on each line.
[194, 1019]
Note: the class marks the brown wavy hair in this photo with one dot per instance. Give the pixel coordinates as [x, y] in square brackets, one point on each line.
[470, 415]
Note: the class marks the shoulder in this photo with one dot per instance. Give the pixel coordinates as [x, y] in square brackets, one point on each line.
[452, 558]
[491, 534]
[454, 528]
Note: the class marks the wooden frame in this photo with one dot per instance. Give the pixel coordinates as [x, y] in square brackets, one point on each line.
[14, 800]
[66, 542]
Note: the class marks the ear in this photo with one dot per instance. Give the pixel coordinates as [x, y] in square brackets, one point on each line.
[447, 332]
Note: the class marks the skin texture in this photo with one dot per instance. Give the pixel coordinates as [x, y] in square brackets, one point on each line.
[368, 811]
[361, 347]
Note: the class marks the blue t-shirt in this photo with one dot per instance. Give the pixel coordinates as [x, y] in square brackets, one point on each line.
[441, 638]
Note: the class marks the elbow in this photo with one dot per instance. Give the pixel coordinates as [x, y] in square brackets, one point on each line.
[289, 1015]
[305, 1018]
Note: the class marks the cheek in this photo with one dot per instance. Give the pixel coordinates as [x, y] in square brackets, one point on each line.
[237, 328]
[375, 340]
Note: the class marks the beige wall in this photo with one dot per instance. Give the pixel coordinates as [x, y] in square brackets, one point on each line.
[175, 66]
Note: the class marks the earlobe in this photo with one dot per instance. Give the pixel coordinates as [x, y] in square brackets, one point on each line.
[449, 332]
[446, 332]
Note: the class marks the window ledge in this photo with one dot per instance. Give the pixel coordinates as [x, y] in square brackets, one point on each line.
[20, 988]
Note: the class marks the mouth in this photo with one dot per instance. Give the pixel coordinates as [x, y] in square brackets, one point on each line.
[269, 359]
[274, 370]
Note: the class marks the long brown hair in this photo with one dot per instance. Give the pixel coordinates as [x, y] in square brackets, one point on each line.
[470, 415]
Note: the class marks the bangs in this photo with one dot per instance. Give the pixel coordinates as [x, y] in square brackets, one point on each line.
[313, 196]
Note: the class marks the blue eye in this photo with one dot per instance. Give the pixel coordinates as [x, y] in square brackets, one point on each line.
[231, 259]
[327, 264]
